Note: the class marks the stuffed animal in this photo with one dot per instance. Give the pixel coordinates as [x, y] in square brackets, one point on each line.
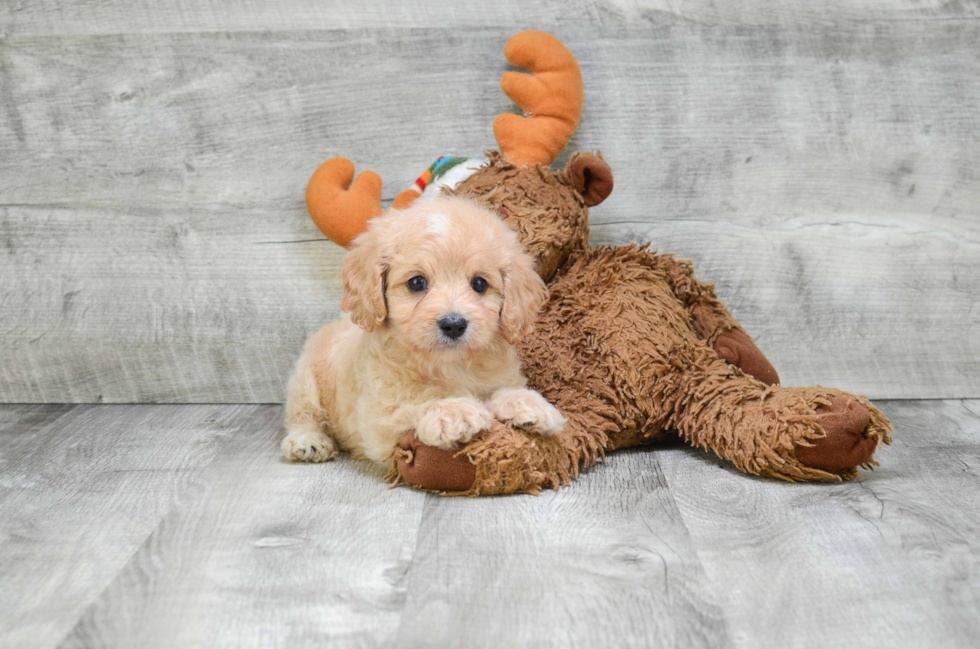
[630, 346]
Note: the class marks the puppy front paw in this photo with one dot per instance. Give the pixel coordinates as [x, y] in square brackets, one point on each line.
[308, 445]
[449, 422]
[528, 410]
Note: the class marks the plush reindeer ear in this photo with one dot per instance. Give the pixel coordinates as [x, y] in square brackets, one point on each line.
[524, 294]
[364, 274]
[591, 177]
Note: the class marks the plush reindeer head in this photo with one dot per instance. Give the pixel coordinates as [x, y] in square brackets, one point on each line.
[548, 209]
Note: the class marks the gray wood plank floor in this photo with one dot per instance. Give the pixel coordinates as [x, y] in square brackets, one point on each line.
[820, 162]
[180, 526]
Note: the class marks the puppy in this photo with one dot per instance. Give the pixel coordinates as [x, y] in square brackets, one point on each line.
[437, 294]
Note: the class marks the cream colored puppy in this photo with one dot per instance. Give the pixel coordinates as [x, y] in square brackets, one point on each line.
[437, 295]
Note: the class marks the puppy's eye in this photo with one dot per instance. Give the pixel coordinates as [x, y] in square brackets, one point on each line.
[417, 284]
[479, 285]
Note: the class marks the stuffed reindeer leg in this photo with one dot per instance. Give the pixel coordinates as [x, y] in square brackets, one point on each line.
[712, 321]
[811, 433]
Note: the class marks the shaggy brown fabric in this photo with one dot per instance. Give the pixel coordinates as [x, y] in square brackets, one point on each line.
[560, 221]
[631, 347]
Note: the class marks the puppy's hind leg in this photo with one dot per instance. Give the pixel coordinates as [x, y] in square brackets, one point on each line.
[305, 439]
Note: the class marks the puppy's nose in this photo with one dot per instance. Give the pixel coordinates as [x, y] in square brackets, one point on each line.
[453, 325]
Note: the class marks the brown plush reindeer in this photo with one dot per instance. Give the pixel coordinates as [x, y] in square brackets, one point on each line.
[630, 346]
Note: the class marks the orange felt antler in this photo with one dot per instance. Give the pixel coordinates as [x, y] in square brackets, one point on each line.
[551, 98]
[341, 208]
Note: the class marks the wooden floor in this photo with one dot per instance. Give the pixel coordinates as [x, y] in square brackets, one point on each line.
[180, 526]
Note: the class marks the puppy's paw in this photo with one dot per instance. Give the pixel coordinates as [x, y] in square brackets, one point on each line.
[528, 410]
[308, 444]
[449, 422]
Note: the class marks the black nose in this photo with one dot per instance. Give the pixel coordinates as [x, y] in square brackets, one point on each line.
[453, 325]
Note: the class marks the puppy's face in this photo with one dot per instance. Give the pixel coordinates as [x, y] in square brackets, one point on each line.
[445, 292]
[446, 277]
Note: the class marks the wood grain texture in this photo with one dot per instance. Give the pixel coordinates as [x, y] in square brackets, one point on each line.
[81, 488]
[54, 17]
[180, 526]
[265, 553]
[154, 245]
[608, 563]
[162, 305]
[892, 559]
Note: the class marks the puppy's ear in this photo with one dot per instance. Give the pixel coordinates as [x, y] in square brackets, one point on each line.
[364, 274]
[524, 294]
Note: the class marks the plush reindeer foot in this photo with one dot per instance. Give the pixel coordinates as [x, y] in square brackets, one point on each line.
[431, 467]
[845, 446]
[739, 350]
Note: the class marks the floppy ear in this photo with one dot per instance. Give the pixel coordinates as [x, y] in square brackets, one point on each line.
[524, 294]
[590, 176]
[364, 274]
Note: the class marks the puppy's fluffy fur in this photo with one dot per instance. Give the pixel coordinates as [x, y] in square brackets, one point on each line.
[395, 365]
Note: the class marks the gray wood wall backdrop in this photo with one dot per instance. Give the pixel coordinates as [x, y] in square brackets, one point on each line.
[820, 162]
